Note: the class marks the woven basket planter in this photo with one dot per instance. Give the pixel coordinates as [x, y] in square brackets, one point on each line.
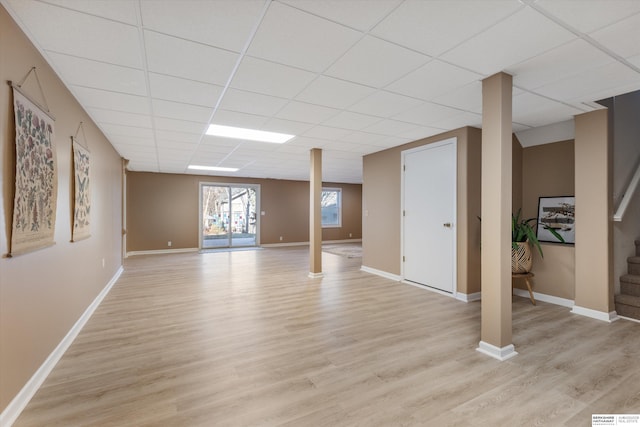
[521, 259]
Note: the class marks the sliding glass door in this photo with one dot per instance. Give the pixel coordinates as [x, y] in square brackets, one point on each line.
[228, 215]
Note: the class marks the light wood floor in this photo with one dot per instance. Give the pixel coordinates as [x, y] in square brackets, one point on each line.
[246, 339]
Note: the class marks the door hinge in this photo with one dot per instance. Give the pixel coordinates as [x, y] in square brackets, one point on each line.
[404, 168]
[403, 260]
[404, 213]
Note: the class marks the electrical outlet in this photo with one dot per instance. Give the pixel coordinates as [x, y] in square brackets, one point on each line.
[169, 243]
[102, 262]
[281, 238]
[350, 235]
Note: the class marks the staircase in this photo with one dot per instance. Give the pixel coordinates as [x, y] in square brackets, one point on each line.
[628, 302]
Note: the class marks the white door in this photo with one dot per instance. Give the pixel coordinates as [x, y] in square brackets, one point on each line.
[429, 202]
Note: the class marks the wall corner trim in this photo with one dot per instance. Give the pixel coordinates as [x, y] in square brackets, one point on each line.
[381, 273]
[502, 354]
[610, 317]
[20, 401]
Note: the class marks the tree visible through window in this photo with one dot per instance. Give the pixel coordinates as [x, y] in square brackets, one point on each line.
[331, 207]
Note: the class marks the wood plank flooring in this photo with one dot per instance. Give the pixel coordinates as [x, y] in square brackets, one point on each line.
[246, 339]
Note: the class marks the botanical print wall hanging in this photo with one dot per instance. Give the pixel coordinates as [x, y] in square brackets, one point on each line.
[36, 191]
[82, 199]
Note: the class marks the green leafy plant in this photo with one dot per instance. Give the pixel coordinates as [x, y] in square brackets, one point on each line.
[522, 230]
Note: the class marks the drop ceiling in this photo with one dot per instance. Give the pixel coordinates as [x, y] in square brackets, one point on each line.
[351, 77]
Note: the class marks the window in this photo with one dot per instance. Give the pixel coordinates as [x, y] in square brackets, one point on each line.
[331, 207]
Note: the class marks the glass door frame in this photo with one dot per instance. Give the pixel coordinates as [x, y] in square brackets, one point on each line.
[229, 186]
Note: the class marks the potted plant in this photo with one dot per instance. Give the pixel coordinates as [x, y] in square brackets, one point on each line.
[522, 235]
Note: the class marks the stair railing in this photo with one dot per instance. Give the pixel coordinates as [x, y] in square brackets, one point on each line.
[628, 194]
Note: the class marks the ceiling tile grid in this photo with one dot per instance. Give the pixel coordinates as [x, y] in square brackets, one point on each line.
[349, 76]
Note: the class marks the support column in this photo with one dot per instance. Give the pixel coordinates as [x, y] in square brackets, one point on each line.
[315, 215]
[594, 213]
[496, 217]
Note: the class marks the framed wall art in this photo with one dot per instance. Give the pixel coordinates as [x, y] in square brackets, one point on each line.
[557, 214]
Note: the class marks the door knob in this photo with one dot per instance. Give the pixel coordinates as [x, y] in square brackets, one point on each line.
[447, 224]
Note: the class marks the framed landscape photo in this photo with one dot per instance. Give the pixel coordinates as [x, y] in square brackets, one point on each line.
[558, 214]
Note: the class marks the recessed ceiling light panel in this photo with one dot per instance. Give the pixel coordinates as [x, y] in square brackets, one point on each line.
[212, 168]
[248, 134]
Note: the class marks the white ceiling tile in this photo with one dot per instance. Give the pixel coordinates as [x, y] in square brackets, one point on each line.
[427, 114]
[252, 103]
[285, 35]
[349, 120]
[243, 120]
[390, 127]
[623, 37]
[189, 60]
[181, 111]
[363, 138]
[384, 104]
[111, 100]
[219, 144]
[85, 35]
[308, 113]
[533, 110]
[98, 75]
[179, 125]
[182, 137]
[434, 27]
[146, 143]
[523, 35]
[174, 154]
[286, 126]
[257, 75]
[111, 130]
[587, 16]
[420, 132]
[390, 141]
[119, 118]
[223, 23]
[123, 11]
[468, 97]
[557, 64]
[325, 132]
[167, 143]
[333, 93]
[461, 120]
[182, 90]
[358, 14]
[635, 60]
[584, 85]
[376, 63]
[433, 79]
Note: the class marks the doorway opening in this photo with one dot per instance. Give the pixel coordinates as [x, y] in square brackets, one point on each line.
[229, 215]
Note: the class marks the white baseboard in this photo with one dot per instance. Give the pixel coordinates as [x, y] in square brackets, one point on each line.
[162, 251]
[381, 273]
[544, 297]
[476, 296]
[20, 401]
[631, 319]
[279, 245]
[502, 354]
[315, 275]
[595, 314]
[282, 245]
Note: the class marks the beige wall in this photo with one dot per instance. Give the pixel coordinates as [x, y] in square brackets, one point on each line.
[43, 293]
[547, 171]
[164, 207]
[381, 222]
